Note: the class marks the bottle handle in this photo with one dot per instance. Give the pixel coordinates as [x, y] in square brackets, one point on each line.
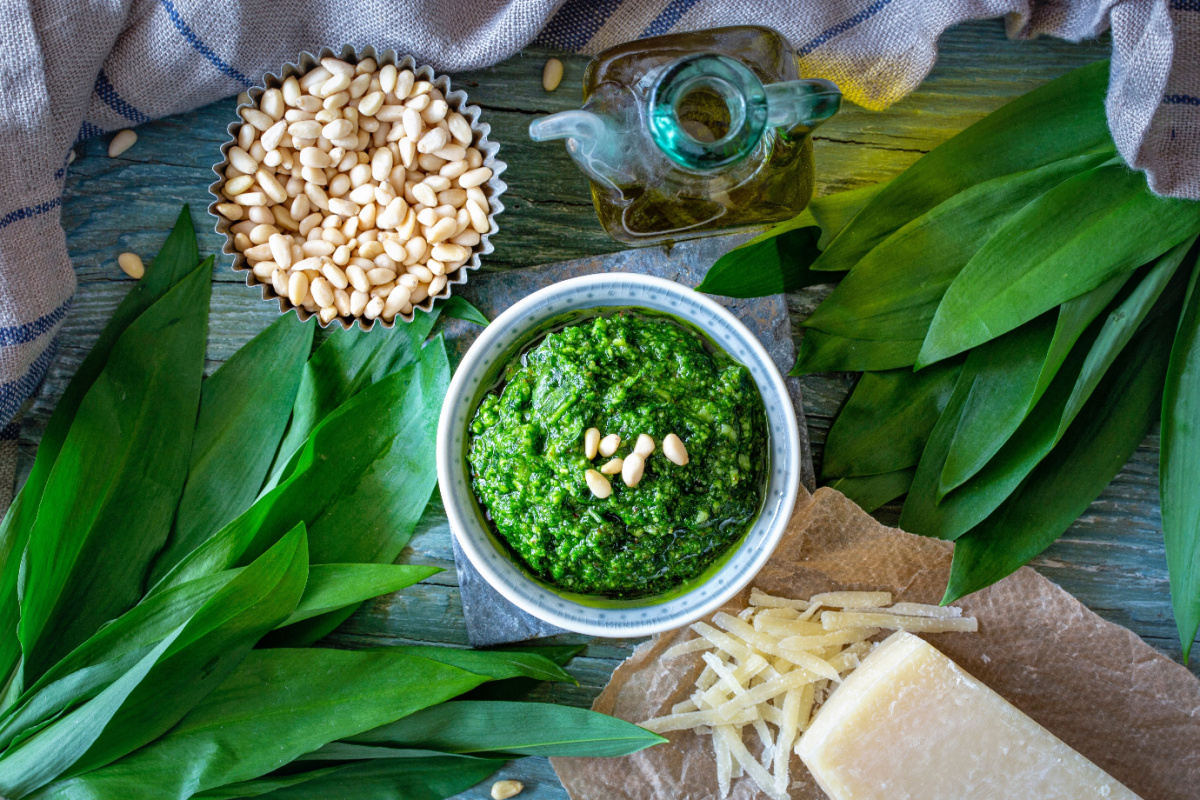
[804, 102]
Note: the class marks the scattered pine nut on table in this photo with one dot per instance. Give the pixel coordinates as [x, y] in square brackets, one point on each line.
[131, 264]
[122, 141]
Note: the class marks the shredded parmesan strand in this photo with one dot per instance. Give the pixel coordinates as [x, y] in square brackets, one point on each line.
[690, 646]
[852, 599]
[836, 620]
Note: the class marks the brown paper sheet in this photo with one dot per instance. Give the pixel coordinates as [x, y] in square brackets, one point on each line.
[1095, 685]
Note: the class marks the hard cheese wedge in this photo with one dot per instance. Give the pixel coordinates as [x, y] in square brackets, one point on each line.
[909, 723]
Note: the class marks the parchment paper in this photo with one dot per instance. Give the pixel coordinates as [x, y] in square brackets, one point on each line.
[1095, 685]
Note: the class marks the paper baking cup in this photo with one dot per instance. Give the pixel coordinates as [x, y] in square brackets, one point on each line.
[457, 100]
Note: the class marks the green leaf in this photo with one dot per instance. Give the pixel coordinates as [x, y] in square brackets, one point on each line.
[457, 307]
[497, 665]
[110, 498]
[295, 700]
[118, 645]
[824, 352]
[199, 655]
[360, 488]
[872, 491]
[527, 729]
[1005, 375]
[1062, 119]
[885, 422]
[1179, 469]
[334, 586]
[894, 291]
[1076, 236]
[778, 260]
[430, 777]
[1042, 429]
[177, 257]
[244, 408]
[344, 365]
[1095, 447]
[260, 786]
[1123, 323]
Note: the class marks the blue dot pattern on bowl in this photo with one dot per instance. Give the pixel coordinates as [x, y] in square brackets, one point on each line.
[755, 547]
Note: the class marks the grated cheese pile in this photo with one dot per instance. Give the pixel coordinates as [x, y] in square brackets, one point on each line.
[773, 665]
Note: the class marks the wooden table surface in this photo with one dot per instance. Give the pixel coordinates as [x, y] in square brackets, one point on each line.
[1112, 558]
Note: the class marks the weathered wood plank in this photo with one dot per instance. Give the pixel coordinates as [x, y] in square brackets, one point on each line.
[1111, 558]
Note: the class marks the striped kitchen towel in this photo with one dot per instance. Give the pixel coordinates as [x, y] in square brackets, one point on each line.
[75, 69]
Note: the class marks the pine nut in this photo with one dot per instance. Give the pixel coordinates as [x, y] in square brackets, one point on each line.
[251, 199]
[279, 282]
[612, 467]
[322, 292]
[479, 220]
[450, 252]
[425, 194]
[291, 90]
[335, 276]
[435, 139]
[271, 186]
[599, 485]
[552, 74]
[422, 272]
[474, 177]
[397, 298]
[297, 288]
[337, 66]
[258, 119]
[404, 84]
[632, 469]
[609, 444]
[121, 142]
[374, 308]
[387, 78]
[437, 285]
[644, 446]
[674, 450]
[380, 275]
[444, 229]
[502, 790]
[242, 161]
[131, 264]
[274, 135]
[591, 441]
[231, 211]
[358, 303]
[460, 129]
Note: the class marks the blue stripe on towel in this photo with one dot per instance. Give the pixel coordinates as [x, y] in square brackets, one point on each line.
[87, 130]
[14, 393]
[10, 432]
[108, 93]
[29, 212]
[1180, 100]
[28, 331]
[200, 47]
[1185, 5]
[574, 24]
[843, 26]
[667, 18]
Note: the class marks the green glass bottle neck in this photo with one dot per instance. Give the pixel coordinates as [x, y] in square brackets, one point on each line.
[708, 111]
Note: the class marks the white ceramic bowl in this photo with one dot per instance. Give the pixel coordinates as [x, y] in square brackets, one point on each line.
[478, 372]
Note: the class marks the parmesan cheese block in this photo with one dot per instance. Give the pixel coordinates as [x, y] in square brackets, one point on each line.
[910, 724]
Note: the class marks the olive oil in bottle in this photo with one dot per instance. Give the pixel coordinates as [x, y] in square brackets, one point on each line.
[691, 134]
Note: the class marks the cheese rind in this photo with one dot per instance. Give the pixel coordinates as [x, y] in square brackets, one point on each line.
[909, 723]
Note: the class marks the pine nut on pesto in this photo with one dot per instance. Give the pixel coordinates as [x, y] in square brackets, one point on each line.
[628, 375]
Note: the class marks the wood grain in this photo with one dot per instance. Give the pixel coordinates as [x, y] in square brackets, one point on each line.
[1112, 558]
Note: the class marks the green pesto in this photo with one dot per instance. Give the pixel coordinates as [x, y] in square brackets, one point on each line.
[627, 374]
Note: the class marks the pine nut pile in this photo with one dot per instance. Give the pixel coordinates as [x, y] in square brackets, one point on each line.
[355, 190]
[632, 466]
